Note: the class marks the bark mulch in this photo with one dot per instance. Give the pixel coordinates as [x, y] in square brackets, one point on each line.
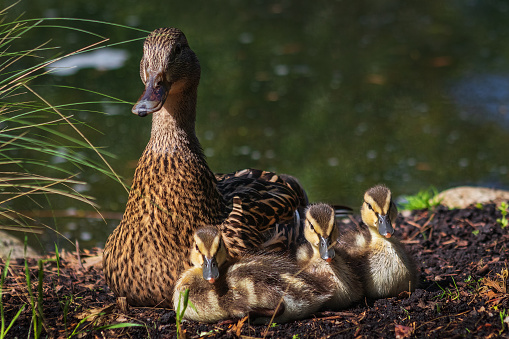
[463, 292]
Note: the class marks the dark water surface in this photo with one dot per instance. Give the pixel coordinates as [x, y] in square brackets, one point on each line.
[341, 94]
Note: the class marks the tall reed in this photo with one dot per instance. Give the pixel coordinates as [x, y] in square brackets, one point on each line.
[43, 148]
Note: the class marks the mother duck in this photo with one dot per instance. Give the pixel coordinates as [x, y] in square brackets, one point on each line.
[174, 192]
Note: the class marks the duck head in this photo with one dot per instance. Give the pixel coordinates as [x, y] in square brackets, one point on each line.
[379, 211]
[168, 66]
[320, 230]
[208, 252]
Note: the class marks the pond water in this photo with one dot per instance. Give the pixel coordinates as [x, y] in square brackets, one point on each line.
[341, 94]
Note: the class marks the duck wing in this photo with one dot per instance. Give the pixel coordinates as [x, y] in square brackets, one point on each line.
[260, 205]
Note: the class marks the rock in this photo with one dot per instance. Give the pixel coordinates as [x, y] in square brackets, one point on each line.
[461, 197]
[9, 243]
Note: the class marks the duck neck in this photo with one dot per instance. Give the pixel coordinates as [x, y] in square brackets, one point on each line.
[173, 167]
[173, 126]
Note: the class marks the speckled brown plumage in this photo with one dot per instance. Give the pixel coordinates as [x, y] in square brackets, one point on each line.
[174, 191]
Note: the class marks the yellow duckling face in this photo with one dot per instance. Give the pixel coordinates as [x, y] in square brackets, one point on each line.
[208, 252]
[320, 230]
[167, 63]
[379, 211]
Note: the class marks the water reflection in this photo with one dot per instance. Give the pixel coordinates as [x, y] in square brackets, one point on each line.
[104, 59]
[343, 95]
[483, 97]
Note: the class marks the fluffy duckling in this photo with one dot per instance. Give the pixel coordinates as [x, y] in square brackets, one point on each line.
[207, 287]
[260, 285]
[320, 257]
[388, 268]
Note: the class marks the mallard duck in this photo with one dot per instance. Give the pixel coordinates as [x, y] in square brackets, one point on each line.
[261, 285]
[174, 191]
[321, 257]
[388, 268]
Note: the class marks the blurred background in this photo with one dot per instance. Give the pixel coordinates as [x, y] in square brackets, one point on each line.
[341, 94]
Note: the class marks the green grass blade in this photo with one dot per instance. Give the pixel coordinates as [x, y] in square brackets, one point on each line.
[16, 316]
[113, 326]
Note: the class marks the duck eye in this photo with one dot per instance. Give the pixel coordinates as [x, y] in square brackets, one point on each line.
[369, 206]
[176, 51]
[196, 247]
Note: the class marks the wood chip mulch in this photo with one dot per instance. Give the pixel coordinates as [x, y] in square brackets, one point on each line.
[463, 292]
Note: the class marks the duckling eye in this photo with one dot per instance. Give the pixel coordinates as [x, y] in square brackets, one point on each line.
[369, 206]
[311, 225]
[196, 247]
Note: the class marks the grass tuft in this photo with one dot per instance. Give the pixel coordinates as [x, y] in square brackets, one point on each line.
[182, 305]
[503, 208]
[449, 293]
[504, 315]
[43, 148]
[5, 329]
[424, 199]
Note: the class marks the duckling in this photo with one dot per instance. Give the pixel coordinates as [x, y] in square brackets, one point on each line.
[388, 268]
[321, 257]
[208, 289]
[261, 285]
[174, 191]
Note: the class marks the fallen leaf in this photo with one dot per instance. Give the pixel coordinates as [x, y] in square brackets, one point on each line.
[238, 326]
[402, 331]
[462, 243]
[95, 311]
[95, 261]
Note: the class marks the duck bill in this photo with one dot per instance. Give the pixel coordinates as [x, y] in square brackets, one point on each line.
[326, 250]
[384, 226]
[153, 97]
[210, 269]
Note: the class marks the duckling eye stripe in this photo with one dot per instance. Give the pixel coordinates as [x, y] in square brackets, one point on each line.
[310, 224]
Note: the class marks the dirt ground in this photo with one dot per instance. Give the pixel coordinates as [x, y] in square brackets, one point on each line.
[463, 292]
